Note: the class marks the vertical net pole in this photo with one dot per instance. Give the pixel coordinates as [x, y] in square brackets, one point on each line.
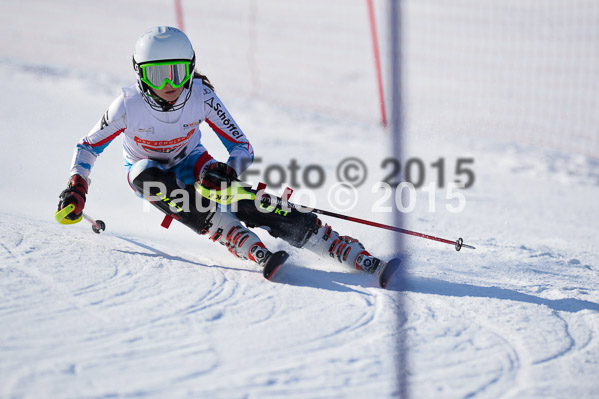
[396, 121]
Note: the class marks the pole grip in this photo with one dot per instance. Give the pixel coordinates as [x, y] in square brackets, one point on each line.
[61, 215]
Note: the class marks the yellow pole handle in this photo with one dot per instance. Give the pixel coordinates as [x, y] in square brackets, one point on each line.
[61, 215]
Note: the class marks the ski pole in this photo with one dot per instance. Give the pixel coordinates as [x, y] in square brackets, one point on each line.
[458, 244]
[240, 191]
[60, 216]
[97, 225]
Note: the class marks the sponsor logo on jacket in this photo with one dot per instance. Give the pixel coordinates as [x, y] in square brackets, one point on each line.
[164, 146]
[233, 130]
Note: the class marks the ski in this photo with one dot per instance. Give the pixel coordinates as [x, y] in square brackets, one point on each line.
[273, 264]
[387, 271]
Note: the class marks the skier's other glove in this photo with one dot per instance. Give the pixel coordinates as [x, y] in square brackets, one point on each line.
[74, 194]
[217, 175]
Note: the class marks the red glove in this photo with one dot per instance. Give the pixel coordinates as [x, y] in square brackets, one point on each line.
[217, 175]
[74, 194]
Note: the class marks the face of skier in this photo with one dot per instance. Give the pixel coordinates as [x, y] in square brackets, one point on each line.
[167, 93]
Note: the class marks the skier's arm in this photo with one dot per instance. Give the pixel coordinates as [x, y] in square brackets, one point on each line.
[241, 153]
[112, 123]
[110, 126]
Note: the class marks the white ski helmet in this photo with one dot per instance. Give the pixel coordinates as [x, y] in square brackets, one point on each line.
[162, 43]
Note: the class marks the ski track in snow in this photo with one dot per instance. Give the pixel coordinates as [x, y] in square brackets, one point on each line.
[511, 354]
[528, 335]
[124, 301]
[88, 317]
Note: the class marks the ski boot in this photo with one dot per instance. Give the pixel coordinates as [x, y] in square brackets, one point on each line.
[346, 250]
[225, 228]
[350, 252]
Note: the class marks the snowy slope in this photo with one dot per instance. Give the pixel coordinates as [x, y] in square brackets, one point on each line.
[139, 311]
[88, 315]
[127, 317]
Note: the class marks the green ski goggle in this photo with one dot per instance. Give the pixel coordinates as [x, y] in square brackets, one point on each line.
[158, 74]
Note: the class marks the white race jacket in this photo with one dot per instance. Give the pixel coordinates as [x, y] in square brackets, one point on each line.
[167, 137]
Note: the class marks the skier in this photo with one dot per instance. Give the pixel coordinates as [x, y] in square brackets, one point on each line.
[158, 118]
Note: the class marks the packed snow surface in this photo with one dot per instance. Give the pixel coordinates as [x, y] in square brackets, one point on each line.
[140, 311]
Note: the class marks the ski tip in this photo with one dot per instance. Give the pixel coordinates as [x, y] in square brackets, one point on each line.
[387, 271]
[274, 263]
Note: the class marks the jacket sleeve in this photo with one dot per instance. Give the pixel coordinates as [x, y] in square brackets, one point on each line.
[241, 152]
[112, 124]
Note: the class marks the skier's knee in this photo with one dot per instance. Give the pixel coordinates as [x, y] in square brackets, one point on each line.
[293, 226]
[299, 230]
[162, 188]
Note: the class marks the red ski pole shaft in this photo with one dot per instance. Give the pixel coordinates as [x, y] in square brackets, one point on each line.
[97, 225]
[91, 220]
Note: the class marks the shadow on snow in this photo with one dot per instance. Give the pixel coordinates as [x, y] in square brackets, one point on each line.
[343, 281]
[156, 253]
[439, 287]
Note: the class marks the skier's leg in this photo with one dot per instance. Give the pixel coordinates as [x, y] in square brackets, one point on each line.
[290, 225]
[225, 228]
[161, 188]
[305, 230]
[344, 249]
